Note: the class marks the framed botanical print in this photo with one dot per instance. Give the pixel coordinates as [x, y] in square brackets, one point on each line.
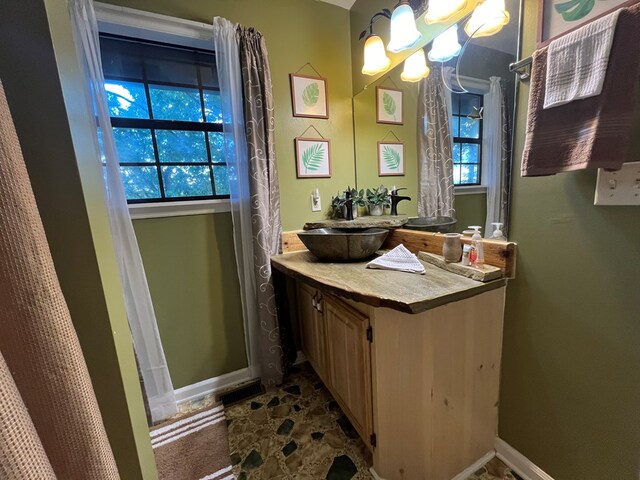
[309, 96]
[313, 157]
[558, 17]
[389, 105]
[390, 159]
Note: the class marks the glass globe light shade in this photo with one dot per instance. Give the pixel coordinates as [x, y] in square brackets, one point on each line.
[415, 67]
[442, 10]
[445, 46]
[375, 57]
[487, 19]
[404, 33]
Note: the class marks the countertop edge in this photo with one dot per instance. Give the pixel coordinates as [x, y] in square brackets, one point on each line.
[411, 308]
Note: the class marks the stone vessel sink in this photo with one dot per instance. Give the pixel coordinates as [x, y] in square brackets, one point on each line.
[343, 245]
[431, 224]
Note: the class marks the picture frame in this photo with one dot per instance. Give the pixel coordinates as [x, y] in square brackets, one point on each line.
[553, 23]
[313, 157]
[309, 96]
[391, 159]
[389, 106]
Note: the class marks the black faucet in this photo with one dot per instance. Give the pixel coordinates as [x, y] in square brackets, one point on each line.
[395, 199]
[348, 205]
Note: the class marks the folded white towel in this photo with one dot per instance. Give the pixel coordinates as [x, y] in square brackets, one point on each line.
[577, 62]
[398, 259]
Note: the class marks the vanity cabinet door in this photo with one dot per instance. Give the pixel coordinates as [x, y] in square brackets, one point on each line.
[312, 328]
[349, 363]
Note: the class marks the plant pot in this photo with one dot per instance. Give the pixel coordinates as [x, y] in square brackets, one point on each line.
[376, 210]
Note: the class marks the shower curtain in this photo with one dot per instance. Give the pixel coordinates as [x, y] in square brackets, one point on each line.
[247, 108]
[435, 160]
[50, 424]
[496, 161]
[142, 321]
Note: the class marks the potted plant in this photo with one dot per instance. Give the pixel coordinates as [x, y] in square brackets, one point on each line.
[377, 200]
[338, 203]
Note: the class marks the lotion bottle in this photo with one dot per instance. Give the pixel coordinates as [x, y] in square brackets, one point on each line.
[476, 241]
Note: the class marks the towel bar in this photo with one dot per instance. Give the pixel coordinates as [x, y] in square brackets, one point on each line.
[522, 68]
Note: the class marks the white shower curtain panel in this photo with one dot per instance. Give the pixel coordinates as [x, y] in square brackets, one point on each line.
[142, 320]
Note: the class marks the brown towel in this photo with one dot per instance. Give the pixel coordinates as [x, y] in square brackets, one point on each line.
[590, 133]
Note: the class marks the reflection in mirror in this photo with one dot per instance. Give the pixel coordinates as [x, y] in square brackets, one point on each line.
[455, 126]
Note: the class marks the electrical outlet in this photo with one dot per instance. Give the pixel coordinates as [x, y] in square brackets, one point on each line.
[620, 187]
[316, 204]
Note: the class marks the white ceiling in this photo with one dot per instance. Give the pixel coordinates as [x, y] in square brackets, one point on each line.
[341, 3]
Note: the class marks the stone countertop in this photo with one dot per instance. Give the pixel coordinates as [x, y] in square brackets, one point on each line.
[368, 221]
[406, 292]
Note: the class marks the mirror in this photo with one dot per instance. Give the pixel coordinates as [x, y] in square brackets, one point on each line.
[385, 125]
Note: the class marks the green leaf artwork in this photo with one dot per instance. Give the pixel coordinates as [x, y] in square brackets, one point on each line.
[574, 9]
[391, 158]
[389, 104]
[312, 157]
[311, 94]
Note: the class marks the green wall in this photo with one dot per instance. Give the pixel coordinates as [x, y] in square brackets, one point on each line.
[53, 126]
[570, 385]
[191, 269]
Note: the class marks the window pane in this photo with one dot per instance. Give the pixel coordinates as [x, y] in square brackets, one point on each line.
[208, 73]
[172, 65]
[221, 180]
[181, 146]
[175, 103]
[134, 145]
[467, 102]
[216, 146]
[456, 174]
[212, 106]
[469, 174]
[187, 181]
[469, 128]
[121, 58]
[470, 153]
[455, 126]
[456, 153]
[140, 182]
[126, 99]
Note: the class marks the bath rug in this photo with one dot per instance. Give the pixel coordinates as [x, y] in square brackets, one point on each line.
[193, 446]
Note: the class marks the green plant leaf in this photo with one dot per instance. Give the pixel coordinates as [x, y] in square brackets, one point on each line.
[389, 104]
[574, 9]
[312, 157]
[311, 94]
[391, 158]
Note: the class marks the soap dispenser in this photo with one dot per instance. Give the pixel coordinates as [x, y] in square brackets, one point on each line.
[477, 254]
[498, 234]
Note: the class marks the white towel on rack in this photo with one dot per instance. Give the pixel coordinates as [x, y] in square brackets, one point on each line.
[398, 259]
[577, 62]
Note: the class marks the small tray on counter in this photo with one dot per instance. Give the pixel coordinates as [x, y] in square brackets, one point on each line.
[484, 274]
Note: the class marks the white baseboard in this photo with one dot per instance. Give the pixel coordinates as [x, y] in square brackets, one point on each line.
[471, 469]
[518, 462]
[211, 385]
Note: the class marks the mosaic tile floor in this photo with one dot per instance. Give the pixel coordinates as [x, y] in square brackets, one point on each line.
[297, 431]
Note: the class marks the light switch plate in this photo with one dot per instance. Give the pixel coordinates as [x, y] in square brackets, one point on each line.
[620, 187]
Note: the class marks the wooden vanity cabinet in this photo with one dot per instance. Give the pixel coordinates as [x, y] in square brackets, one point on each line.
[335, 340]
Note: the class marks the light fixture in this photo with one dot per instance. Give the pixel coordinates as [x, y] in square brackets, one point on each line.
[375, 57]
[445, 46]
[487, 19]
[415, 67]
[404, 33]
[440, 11]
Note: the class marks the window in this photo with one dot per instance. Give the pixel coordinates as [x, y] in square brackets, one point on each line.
[164, 104]
[466, 128]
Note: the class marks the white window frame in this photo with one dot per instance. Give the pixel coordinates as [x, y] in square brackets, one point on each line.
[479, 87]
[175, 31]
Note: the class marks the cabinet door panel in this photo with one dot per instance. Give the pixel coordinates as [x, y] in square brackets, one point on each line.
[312, 332]
[349, 363]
